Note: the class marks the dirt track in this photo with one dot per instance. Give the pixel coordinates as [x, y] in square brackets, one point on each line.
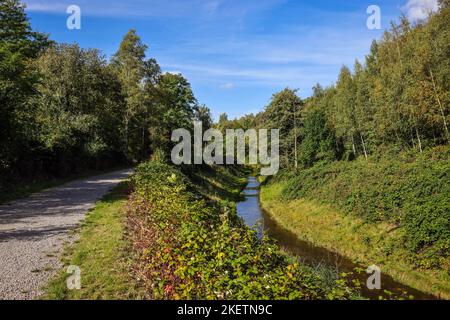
[34, 230]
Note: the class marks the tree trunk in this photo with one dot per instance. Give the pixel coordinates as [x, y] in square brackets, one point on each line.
[418, 139]
[363, 145]
[295, 139]
[126, 135]
[287, 157]
[440, 106]
[143, 143]
[398, 138]
[353, 145]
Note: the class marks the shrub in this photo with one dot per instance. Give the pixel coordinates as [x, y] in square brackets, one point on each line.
[190, 248]
[408, 190]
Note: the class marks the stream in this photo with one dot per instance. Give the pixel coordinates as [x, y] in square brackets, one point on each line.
[250, 211]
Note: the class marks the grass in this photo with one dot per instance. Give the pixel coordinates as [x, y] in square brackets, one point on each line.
[406, 189]
[368, 243]
[101, 252]
[220, 182]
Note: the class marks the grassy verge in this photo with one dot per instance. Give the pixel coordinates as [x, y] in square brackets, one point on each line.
[407, 190]
[219, 182]
[367, 243]
[102, 254]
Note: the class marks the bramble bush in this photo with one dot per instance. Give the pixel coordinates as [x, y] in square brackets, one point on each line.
[189, 247]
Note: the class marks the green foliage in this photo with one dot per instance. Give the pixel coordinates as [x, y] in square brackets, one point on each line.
[190, 248]
[409, 191]
[78, 109]
[319, 142]
[159, 156]
[15, 30]
[283, 113]
[64, 109]
[399, 97]
[18, 45]
[136, 76]
[385, 126]
[427, 225]
[203, 114]
[176, 107]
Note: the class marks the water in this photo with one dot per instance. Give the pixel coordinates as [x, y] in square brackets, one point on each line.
[250, 211]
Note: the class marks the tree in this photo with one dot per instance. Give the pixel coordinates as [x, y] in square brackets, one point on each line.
[318, 91]
[78, 108]
[18, 46]
[222, 124]
[15, 30]
[203, 114]
[345, 114]
[435, 59]
[319, 142]
[176, 106]
[130, 66]
[283, 113]
[363, 108]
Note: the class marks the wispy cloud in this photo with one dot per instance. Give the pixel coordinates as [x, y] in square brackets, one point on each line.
[153, 8]
[420, 9]
[237, 52]
[211, 7]
[116, 8]
[46, 6]
[298, 57]
[227, 86]
[275, 76]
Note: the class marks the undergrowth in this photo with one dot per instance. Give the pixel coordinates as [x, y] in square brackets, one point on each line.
[192, 247]
[411, 192]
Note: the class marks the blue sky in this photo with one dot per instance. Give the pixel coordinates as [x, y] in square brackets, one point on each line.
[235, 53]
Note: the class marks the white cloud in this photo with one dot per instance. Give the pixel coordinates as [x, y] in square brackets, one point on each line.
[147, 8]
[46, 6]
[227, 86]
[420, 9]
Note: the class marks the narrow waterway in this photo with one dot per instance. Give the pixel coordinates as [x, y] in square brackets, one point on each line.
[250, 211]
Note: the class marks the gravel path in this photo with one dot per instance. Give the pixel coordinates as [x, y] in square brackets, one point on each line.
[34, 230]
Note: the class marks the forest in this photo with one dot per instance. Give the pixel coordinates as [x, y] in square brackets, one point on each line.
[65, 109]
[397, 99]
